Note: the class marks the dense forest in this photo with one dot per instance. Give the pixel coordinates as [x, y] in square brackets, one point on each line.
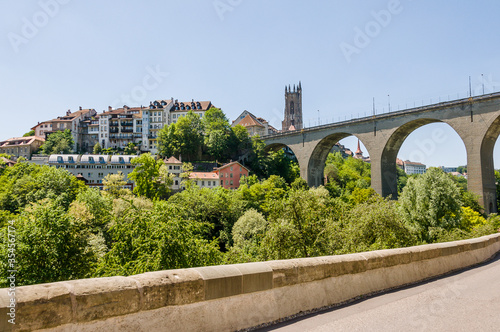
[65, 230]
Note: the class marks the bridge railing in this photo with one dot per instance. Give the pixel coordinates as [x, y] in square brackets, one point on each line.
[379, 116]
[230, 297]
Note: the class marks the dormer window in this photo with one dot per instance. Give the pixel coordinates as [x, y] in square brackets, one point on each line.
[59, 159]
[120, 159]
[188, 108]
[91, 159]
[70, 159]
[101, 159]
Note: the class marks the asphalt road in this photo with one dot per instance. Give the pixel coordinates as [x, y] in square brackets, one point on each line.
[468, 300]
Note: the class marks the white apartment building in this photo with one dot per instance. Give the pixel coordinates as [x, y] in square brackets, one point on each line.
[411, 167]
[93, 168]
[162, 113]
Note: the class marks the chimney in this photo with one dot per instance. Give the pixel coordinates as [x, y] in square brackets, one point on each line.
[110, 108]
[68, 112]
[80, 108]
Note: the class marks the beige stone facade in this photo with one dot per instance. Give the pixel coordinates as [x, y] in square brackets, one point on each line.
[21, 146]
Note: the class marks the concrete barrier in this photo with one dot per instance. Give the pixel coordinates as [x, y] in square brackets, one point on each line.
[231, 297]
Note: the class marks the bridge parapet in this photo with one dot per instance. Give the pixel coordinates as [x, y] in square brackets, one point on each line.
[232, 297]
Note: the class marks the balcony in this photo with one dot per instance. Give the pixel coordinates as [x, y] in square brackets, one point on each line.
[113, 123]
[127, 130]
[114, 130]
[121, 136]
[126, 124]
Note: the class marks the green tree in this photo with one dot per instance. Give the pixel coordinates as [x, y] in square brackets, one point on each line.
[58, 142]
[248, 233]
[345, 175]
[50, 246]
[374, 225]
[114, 185]
[264, 164]
[297, 224]
[26, 183]
[240, 141]
[130, 149]
[29, 133]
[149, 177]
[97, 148]
[217, 132]
[185, 137]
[218, 207]
[431, 202]
[152, 239]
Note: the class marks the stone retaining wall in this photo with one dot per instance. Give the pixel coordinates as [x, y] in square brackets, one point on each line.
[231, 297]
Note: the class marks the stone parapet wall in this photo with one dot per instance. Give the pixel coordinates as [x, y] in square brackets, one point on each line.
[232, 297]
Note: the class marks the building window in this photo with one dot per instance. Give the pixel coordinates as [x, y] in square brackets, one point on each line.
[202, 183]
[231, 176]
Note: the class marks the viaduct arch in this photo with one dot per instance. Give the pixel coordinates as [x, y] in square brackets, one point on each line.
[475, 120]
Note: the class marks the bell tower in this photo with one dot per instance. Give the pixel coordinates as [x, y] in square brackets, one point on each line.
[293, 108]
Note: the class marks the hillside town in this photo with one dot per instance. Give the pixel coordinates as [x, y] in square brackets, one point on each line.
[137, 128]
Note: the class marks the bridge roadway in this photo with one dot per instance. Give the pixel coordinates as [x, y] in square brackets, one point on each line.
[468, 300]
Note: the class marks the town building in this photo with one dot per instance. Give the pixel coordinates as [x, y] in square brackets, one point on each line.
[205, 179]
[174, 167]
[71, 121]
[293, 109]
[411, 167]
[345, 152]
[254, 125]
[119, 127]
[230, 174]
[94, 168]
[4, 162]
[164, 112]
[400, 164]
[21, 146]
[448, 169]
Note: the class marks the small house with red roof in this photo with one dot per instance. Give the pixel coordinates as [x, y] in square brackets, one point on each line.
[230, 174]
[205, 179]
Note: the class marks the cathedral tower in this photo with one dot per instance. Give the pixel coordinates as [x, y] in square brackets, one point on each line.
[293, 108]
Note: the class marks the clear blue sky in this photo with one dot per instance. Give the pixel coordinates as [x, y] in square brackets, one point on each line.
[240, 54]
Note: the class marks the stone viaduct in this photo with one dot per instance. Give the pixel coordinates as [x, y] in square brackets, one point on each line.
[476, 120]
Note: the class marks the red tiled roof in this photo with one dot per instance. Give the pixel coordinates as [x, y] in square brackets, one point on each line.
[249, 121]
[413, 163]
[231, 163]
[16, 141]
[172, 160]
[204, 175]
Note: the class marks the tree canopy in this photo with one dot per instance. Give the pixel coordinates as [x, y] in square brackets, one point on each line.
[59, 142]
